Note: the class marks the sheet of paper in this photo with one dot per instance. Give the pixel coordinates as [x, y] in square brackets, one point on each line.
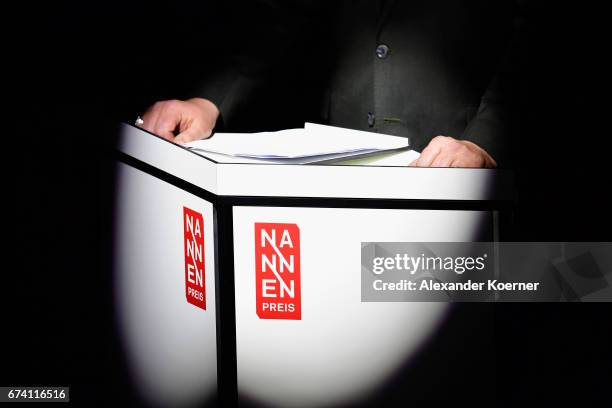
[331, 158]
[391, 159]
[312, 143]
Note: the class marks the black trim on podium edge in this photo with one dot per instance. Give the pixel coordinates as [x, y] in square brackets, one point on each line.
[167, 177]
[318, 202]
[227, 374]
[368, 203]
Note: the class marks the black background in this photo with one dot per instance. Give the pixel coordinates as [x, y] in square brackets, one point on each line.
[77, 68]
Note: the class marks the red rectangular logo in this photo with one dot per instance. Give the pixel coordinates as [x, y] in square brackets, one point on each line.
[193, 227]
[277, 276]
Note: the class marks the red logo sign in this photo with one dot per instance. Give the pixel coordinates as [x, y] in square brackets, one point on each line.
[195, 289]
[277, 276]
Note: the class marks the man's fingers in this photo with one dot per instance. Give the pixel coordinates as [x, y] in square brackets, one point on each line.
[442, 160]
[427, 157]
[193, 119]
[444, 151]
[165, 125]
[153, 122]
[167, 120]
[191, 134]
[148, 119]
[162, 118]
[166, 134]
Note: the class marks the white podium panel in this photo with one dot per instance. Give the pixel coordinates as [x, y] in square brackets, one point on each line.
[340, 349]
[170, 343]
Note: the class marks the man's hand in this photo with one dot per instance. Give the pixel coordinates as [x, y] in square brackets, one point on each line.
[194, 119]
[444, 151]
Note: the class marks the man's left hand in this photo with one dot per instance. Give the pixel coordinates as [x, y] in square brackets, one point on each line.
[445, 151]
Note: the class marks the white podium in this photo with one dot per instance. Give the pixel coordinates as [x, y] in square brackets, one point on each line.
[241, 282]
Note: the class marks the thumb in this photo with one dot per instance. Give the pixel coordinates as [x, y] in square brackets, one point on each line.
[190, 134]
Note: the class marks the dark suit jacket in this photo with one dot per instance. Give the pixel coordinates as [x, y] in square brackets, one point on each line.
[413, 68]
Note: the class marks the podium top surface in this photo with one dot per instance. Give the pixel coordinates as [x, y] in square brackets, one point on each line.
[314, 180]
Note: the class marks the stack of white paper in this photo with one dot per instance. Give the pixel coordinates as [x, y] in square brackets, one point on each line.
[311, 144]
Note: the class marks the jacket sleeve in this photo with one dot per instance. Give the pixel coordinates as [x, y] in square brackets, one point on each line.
[495, 125]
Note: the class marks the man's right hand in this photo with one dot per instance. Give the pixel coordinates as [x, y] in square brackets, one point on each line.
[193, 119]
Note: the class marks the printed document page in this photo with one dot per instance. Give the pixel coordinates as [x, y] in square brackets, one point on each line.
[304, 145]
